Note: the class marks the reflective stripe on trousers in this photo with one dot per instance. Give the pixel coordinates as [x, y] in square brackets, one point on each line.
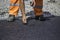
[40, 7]
[14, 4]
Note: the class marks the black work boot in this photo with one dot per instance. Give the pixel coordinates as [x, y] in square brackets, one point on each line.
[11, 18]
[42, 18]
[37, 17]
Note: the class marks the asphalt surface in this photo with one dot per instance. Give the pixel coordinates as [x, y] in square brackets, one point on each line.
[34, 30]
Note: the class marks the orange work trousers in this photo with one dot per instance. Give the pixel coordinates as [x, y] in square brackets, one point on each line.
[38, 7]
[15, 5]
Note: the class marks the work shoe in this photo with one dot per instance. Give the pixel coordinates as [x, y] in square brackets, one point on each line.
[37, 17]
[41, 18]
[11, 18]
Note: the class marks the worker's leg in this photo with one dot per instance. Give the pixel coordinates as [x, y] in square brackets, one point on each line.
[22, 7]
[38, 10]
[13, 9]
